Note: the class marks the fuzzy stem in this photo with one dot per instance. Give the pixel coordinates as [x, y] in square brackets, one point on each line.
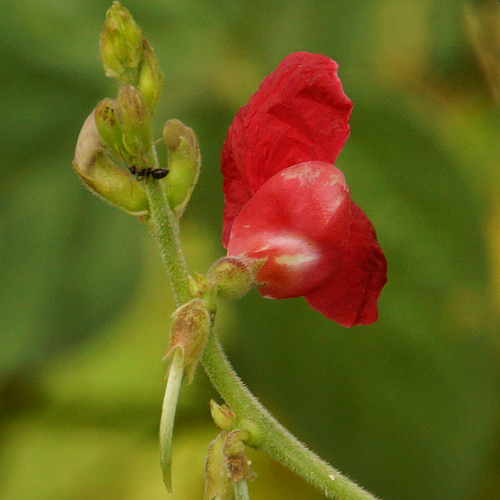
[277, 441]
[164, 228]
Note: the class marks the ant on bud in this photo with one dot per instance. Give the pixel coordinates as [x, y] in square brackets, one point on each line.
[146, 173]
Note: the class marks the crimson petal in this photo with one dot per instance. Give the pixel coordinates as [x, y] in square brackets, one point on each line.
[300, 219]
[300, 113]
[349, 296]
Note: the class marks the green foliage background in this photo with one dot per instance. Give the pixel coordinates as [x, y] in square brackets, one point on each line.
[408, 407]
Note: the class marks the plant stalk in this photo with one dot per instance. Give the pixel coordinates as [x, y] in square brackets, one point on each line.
[278, 442]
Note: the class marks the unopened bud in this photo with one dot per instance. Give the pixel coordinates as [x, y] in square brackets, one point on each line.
[189, 333]
[102, 176]
[184, 164]
[198, 285]
[232, 277]
[108, 124]
[121, 45]
[222, 416]
[136, 123]
[150, 76]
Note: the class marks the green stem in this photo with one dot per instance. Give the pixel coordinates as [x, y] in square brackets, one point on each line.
[277, 441]
[164, 228]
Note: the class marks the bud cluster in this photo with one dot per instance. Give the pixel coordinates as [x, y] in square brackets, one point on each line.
[122, 132]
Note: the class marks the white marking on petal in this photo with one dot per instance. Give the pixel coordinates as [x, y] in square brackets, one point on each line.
[305, 174]
[295, 260]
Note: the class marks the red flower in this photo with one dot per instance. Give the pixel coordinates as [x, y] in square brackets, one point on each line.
[286, 201]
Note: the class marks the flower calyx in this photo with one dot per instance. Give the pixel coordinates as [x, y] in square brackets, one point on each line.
[233, 277]
[189, 333]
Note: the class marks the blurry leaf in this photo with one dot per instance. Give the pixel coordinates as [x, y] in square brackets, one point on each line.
[68, 264]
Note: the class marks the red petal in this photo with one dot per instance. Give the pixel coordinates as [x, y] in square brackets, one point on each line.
[300, 220]
[300, 113]
[349, 296]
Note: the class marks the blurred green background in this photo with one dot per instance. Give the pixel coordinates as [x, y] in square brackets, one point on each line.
[408, 407]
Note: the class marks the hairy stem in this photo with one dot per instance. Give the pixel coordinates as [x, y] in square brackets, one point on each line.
[277, 441]
[164, 228]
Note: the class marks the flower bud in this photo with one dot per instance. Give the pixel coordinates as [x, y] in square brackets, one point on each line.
[233, 277]
[198, 285]
[136, 123]
[150, 76]
[108, 124]
[103, 177]
[184, 164]
[222, 416]
[121, 45]
[189, 333]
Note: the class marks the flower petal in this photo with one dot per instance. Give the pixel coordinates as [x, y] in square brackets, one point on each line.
[349, 296]
[300, 221]
[300, 113]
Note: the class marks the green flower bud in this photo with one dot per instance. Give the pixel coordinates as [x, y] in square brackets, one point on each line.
[184, 164]
[108, 124]
[248, 431]
[136, 123]
[198, 285]
[189, 333]
[103, 177]
[121, 44]
[150, 76]
[222, 416]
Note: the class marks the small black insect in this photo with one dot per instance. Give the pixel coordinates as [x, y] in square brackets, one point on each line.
[146, 173]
